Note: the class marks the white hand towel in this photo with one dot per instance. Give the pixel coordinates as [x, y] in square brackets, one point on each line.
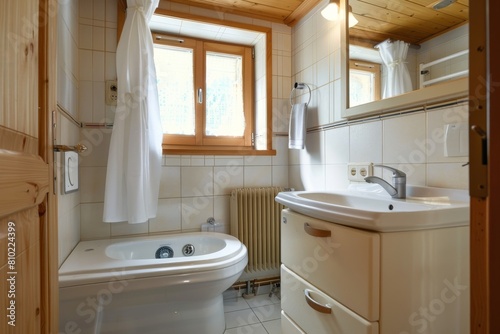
[297, 131]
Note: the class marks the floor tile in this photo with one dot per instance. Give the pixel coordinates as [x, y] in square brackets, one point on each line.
[268, 312]
[261, 300]
[240, 318]
[273, 326]
[235, 304]
[251, 329]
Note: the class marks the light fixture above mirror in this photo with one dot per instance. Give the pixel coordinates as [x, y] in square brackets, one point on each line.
[331, 13]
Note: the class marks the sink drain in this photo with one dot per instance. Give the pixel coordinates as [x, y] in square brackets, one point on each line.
[188, 250]
[164, 252]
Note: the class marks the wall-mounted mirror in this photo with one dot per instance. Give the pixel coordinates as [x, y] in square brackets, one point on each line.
[421, 47]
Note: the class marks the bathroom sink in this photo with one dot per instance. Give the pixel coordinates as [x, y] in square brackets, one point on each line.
[370, 208]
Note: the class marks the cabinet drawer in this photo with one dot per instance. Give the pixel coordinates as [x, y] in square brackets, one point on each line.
[343, 262]
[315, 312]
[288, 326]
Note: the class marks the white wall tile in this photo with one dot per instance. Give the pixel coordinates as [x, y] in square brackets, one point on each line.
[98, 64]
[222, 211]
[99, 107]
[257, 176]
[366, 142]
[280, 176]
[448, 175]
[85, 37]
[195, 211]
[98, 38]
[404, 139]
[313, 177]
[226, 179]
[337, 145]
[92, 182]
[85, 65]
[125, 229]
[314, 151]
[336, 177]
[294, 178]
[170, 182]
[197, 181]
[92, 226]
[168, 217]
[99, 10]
[86, 9]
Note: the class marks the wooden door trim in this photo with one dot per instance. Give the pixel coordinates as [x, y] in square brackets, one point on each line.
[47, 85]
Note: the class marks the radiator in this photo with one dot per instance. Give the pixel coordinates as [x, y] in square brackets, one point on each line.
[255, 221]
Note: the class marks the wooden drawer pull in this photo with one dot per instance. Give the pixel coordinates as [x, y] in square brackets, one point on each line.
[315, 305]
[316, 232]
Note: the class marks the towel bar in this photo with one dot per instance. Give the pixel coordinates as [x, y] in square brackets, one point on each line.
[300, 85]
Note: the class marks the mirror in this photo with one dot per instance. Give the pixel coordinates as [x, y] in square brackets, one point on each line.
[406, 39]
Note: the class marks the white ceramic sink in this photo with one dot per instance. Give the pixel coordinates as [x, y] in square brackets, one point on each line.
[370, 207]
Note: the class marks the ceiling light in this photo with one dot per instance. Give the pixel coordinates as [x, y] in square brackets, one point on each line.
[442, 4]
[331, 11]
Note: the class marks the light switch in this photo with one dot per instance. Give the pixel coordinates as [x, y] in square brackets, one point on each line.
[70, 172]
[456, 140]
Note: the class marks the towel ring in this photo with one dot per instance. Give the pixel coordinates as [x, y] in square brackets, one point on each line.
[300, 85]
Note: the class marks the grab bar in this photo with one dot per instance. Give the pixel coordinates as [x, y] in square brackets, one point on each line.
[64, 148]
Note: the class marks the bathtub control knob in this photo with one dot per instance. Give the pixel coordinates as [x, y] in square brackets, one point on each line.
[188, 250]
[164, 252]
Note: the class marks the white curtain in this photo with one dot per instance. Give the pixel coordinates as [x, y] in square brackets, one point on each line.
[134, 161]
[397, 81]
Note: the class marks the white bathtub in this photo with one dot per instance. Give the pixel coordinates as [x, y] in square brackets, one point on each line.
[118, 286]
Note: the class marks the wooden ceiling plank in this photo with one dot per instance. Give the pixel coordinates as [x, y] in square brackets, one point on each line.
[456, 9]
[414, 10]
[367, 10]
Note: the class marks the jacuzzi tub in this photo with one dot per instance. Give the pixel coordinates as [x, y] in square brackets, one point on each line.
[119, 286]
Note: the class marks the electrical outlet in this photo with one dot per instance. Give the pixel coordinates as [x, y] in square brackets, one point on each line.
[358, 171]
[111, 93]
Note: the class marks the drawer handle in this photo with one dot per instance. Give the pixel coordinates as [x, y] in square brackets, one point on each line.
[315, 232]
[315, 305]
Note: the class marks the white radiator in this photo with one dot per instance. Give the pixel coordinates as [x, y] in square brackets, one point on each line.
[255, 221]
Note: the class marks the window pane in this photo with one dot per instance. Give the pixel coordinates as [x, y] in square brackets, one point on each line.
[174, 70]
[362, 87]
[224, 95]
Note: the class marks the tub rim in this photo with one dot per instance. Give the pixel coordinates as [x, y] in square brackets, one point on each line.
[85, 270]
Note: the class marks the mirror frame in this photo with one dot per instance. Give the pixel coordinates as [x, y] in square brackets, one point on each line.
[446, 91]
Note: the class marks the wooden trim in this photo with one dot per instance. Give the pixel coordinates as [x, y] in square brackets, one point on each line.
[493, 215]
[49, 238]
[213, 150]
[305, 7]
[193, 17]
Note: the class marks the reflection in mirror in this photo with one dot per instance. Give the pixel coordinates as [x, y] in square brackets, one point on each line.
[364, 82]
[436, 37]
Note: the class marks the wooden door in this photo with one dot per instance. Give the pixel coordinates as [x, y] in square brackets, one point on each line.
[484, 87]
[28, 214]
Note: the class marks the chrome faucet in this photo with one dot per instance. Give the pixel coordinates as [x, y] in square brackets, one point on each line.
[398, 179]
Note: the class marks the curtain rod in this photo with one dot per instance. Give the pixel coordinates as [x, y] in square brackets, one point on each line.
[168, 38]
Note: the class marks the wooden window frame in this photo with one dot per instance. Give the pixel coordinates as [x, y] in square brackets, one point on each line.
[370, 67]
[200, 140]
[207, 150]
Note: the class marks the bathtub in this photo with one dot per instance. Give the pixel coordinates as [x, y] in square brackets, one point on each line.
[155, 284]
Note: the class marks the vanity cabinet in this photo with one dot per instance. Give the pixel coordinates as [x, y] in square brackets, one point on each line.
[339, 279]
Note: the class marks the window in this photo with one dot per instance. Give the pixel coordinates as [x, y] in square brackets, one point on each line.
[364, 82]
[205, 93]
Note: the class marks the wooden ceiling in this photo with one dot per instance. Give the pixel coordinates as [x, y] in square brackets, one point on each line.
[288, 12]
[413, 21]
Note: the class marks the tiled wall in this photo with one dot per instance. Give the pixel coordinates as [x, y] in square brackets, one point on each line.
[412, 142]
[67, 132]
[193, 188]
